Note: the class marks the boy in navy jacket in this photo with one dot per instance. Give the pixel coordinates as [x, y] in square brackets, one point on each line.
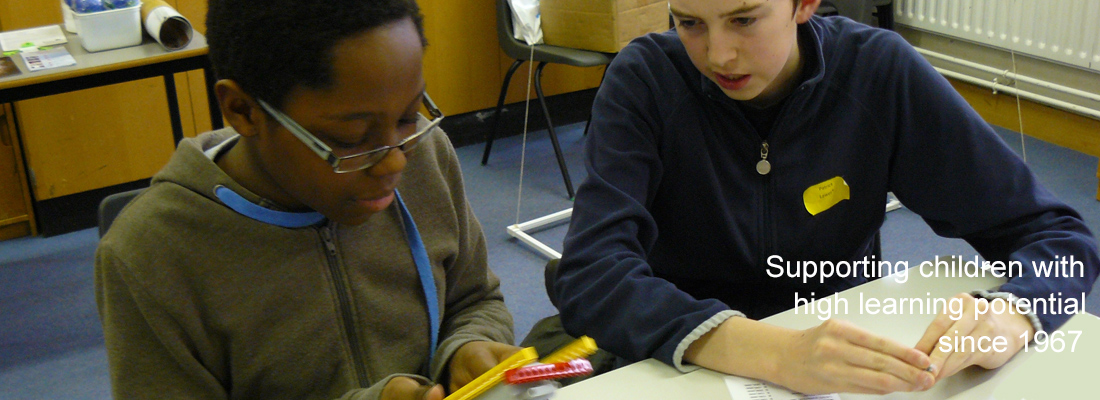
[704, 144]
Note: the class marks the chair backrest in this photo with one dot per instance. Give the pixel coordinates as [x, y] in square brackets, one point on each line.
[111, 206]
[858, 10]
[508, 42]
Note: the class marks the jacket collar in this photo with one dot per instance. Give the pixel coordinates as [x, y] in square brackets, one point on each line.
[192, 168]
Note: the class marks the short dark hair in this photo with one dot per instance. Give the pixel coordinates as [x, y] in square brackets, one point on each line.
[269, 47]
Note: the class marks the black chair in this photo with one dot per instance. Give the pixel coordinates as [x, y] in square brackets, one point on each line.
[861, 10]
[543, 54]
[111, 206]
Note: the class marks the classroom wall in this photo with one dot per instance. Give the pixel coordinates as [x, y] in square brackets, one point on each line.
[464, 66]
[85, 140]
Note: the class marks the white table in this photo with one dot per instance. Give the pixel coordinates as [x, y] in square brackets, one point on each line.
[1032, 375]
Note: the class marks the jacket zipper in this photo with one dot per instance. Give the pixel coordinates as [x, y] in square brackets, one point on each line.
[345, 305]
[769, 242]
[764, 168]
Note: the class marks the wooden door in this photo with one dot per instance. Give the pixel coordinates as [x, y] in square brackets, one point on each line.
[16, 213]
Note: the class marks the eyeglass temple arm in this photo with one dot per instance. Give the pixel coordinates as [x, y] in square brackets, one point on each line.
[317, 146]
[430, 105]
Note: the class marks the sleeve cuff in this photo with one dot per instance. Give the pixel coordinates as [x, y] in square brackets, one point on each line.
[374, 392]
[1036, 325]
[446, 350]
[699, 331]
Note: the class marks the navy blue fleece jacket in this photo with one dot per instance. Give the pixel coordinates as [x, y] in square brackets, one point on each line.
[673, 226]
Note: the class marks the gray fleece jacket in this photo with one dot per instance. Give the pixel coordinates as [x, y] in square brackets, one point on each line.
[199, 301]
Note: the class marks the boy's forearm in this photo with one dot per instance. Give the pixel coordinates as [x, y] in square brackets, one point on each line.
[743, 347]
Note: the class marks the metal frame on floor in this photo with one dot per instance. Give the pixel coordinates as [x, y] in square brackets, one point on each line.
[519, 231]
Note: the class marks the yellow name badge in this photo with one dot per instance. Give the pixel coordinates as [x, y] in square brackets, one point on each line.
[825, 195]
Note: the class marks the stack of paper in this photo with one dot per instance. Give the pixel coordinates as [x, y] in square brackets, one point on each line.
[35, 37]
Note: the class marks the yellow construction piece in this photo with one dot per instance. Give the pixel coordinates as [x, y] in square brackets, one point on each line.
[493, 376]
[580, 348]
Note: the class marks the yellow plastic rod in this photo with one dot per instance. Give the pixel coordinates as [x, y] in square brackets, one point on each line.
[580, 348]
[493, 376]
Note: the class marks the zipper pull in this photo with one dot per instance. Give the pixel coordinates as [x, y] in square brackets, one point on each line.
[763, 167]
[326, 234]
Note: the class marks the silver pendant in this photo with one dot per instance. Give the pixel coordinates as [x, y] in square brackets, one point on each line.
[763, 167]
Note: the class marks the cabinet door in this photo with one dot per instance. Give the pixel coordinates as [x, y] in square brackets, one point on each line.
[92, 138]
[193, 83]
[15, 207]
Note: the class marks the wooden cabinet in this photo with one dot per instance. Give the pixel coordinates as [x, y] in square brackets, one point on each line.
[192, 85]
[93, 138]
[16, 215]
[83, 141]
[16, 218]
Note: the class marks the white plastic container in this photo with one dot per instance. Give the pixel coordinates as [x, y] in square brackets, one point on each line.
[67, 16]
[111, 29]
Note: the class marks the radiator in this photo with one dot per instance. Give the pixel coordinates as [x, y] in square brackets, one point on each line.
[1066, 31]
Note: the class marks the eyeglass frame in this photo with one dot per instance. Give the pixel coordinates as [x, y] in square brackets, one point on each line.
[325, 152]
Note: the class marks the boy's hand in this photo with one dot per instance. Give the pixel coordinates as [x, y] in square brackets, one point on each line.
[474, 358]
[837, 356]
[984, 328]
[405, 388]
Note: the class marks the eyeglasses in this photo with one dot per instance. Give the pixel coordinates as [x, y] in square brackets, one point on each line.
[361, 161]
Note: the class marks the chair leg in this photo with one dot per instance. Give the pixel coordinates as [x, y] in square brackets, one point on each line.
[550, 128]
[589, 121]
[496, 116]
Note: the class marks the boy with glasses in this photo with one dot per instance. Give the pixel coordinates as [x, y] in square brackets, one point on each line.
[309, 251]
[738, 137]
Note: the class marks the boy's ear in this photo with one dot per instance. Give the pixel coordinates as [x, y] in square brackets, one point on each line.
[239, 108]
[805, 10]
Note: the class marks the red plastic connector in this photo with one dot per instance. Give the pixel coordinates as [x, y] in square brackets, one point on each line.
[538, 372]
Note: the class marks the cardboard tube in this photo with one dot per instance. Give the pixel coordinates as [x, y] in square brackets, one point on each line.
[166, 25]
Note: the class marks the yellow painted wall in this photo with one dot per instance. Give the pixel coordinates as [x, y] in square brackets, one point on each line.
[464, 66]
[99, 137]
